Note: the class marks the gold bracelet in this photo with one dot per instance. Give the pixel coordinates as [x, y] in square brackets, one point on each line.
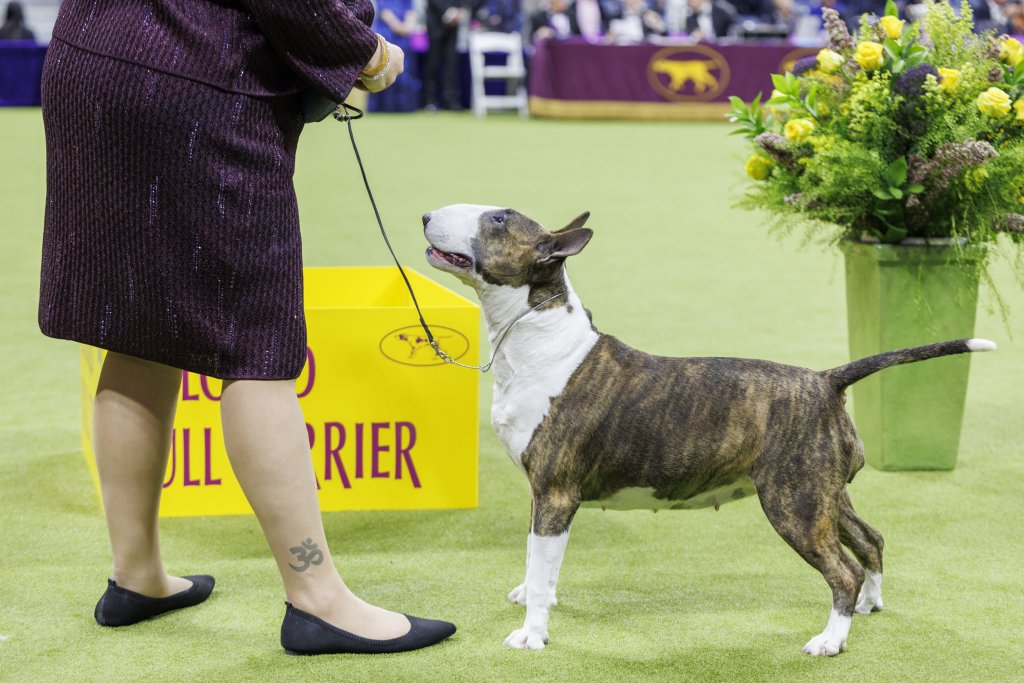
[374, 74]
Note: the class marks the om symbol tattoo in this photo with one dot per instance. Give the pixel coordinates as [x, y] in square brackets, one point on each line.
[308, 554]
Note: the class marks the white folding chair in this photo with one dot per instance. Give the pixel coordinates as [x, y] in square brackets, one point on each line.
[513, 72]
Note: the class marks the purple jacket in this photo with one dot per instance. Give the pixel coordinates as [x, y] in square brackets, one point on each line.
[253, 47]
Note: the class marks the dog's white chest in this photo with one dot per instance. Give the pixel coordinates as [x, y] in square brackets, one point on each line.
[533, 368]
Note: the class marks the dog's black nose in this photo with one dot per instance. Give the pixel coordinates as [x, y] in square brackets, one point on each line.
[426, 219]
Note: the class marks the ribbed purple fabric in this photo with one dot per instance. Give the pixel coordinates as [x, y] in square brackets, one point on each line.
[171, 229]
[255, 47]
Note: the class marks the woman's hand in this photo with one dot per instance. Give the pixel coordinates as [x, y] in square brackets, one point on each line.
[387, 63]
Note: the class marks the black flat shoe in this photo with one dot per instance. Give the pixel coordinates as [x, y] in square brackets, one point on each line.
[121, 607]
[304, 634]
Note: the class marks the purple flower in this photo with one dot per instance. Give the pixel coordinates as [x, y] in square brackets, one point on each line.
[1013, 223]
[805, 64]
[911, 83]
[838, 34]
[778, 148]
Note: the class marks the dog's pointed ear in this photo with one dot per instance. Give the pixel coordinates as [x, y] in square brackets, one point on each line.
[565, 243]
[577, 222]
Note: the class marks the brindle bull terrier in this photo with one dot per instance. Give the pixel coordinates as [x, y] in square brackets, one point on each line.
[594, 422]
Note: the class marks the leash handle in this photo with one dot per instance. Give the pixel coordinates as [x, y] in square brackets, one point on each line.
[342, 114]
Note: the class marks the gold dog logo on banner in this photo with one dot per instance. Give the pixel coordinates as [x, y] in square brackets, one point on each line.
[688, 73]
[410, 346]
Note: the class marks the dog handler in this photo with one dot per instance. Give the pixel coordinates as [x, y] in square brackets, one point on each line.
[172, 240]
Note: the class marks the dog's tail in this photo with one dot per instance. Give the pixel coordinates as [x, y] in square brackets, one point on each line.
[845, 375]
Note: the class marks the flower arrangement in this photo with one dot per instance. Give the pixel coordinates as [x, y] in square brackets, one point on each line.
[908, 130]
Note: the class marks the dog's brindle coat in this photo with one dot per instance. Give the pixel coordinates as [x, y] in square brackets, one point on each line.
[692, 431]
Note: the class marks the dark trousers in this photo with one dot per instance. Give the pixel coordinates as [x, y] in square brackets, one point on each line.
[442, 57]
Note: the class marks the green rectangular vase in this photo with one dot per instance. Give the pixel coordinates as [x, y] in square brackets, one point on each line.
[898, 296]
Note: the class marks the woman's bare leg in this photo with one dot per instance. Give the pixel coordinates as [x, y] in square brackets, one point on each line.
[132, 420]
[267, 444]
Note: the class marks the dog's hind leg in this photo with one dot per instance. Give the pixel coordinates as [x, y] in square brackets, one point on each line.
[552, 517]
[804, 510]
[866, 544]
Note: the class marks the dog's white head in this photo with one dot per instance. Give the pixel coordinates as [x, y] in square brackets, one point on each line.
[487, 246]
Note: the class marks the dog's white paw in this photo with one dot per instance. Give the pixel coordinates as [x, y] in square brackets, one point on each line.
[825, 644]
[832, 640]
[866, 604]
[525, 639]
[870, 598]
[518, 595]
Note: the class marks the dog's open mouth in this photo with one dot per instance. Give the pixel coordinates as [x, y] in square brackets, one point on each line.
[457, 260]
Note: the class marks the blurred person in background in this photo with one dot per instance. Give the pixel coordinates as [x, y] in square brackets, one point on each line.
[853, 22]
[14, 27]
[503, 16]
[999, 13]
[915, 10]
[856, 8]
[556, 19]
[441, 82]
[395, 21]
[786, 13]
[637, 23]
[759, 10]
[591, 19]
[1015, 16]
[710, 20]
[673, 12]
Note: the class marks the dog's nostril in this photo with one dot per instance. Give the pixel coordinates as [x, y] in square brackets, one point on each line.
[426, 219]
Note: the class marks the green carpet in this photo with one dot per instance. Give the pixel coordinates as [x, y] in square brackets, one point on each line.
[700, 596]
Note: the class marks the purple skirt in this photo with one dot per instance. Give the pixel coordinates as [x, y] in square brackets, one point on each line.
[172, 230]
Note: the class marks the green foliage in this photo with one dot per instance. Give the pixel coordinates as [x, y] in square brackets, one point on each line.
[868, 114]
[951, 36]
[750, 118]
[924, 140]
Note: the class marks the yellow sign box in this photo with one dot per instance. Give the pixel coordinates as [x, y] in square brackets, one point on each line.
[390, 426]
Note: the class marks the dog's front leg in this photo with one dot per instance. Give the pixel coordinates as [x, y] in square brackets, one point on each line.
[552, 517]
[518, 594]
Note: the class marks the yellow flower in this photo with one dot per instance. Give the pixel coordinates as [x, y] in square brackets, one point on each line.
[994, 103]
[1011, 51]
[829, 61]
[798, 129]
[758, 167]
[950, 78]
[1018, 107]
[870, 55]
[892, 26]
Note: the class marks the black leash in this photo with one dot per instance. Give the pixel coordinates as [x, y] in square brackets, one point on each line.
[341, 113]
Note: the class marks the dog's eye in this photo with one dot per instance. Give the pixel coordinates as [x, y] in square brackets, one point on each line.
[498, 218]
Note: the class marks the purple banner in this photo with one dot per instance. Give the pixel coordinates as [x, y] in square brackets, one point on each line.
[574, 75]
